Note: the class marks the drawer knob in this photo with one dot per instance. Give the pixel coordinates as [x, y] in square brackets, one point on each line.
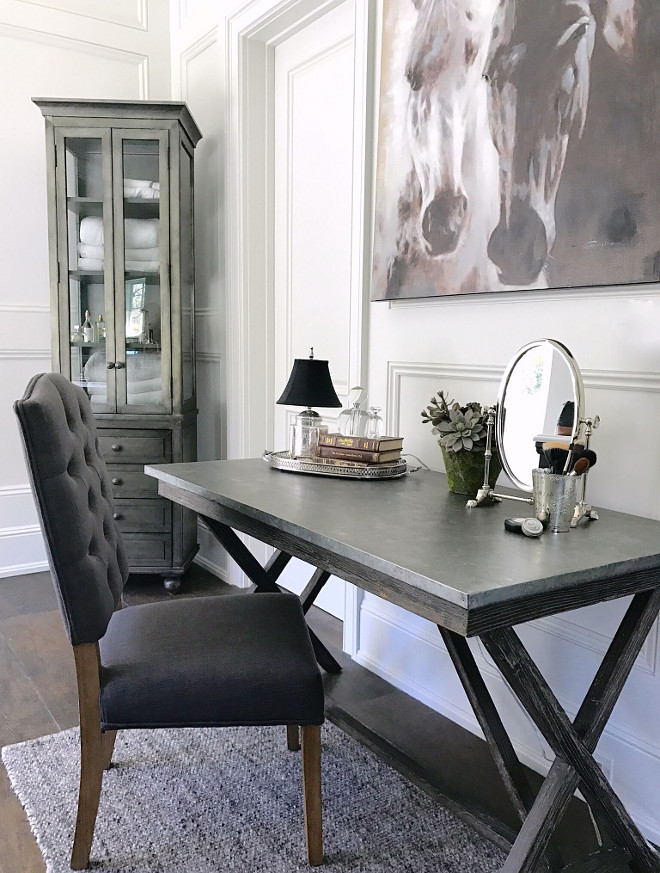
[116, 481]
[116, 447]
[120, 365]
[116, 515]
[111, 365]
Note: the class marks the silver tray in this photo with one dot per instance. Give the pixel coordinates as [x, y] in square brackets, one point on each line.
[316, 467]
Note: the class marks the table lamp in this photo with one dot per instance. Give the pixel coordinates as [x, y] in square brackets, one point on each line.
[309, 385]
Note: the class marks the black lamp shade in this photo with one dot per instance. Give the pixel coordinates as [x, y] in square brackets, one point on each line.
[309, 385]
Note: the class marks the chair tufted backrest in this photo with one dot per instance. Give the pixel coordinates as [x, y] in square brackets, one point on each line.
[72, 490]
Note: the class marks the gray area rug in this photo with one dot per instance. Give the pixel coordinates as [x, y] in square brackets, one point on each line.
[229, 799]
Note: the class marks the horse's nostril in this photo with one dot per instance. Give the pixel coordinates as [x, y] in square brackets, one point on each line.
[443, 221]
[519, 248]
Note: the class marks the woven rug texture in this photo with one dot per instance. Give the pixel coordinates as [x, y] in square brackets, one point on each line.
[230, 799]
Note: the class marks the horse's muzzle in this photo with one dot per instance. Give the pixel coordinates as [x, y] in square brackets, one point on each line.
[519, 247]
[443, 222]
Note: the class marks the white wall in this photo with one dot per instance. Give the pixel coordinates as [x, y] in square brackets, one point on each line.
[51, 48]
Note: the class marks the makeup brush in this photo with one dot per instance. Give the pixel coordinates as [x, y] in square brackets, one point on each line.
[555, 454]
[580, 466]
[581, 452]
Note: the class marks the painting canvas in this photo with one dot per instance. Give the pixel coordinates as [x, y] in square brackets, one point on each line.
[518, 146]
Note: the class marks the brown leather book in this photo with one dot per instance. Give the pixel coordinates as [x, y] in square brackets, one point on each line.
[359, 454]
[380, 444]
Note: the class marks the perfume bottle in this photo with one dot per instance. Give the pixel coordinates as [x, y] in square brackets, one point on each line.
[353, 420]
[87, 329]
[374, 423]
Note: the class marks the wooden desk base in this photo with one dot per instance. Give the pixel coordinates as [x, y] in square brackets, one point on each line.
[573, 743]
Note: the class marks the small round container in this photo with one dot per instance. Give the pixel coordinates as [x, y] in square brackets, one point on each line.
[555, 497]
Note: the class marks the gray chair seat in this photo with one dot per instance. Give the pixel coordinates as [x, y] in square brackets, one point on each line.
[210, 661]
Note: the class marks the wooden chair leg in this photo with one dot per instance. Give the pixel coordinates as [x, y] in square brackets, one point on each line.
[311, 755]
[94, 750]
[292, 738]
[109, 738]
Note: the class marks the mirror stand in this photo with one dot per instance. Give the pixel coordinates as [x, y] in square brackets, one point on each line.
[486, 494]
[584, 509]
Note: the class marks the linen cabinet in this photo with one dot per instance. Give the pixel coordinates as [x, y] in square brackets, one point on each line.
[120, 227]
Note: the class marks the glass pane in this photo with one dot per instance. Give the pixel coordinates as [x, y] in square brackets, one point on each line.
[187, 274]
[85, 241]
[142, 258]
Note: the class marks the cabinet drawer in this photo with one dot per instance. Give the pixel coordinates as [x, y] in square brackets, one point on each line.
[136, 447]
[131, 482]
[148, 516]
[148, 550]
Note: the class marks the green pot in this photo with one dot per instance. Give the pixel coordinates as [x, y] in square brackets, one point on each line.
[465, 470]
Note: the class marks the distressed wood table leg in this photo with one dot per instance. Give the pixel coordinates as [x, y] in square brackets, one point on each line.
[506, 760]
[312, 589]
[574, 743]
[264, 578]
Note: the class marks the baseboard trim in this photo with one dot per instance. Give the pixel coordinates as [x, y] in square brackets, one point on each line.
[216, 569]
[23, 569]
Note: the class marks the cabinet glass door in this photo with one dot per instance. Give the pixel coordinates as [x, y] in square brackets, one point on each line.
[142, 269]
[84, 185]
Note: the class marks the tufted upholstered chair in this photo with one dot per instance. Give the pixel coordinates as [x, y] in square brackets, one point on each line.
[189, 662]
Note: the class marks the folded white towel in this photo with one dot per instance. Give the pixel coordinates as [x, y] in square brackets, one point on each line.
[139, 233]
[142, 193]
[142, 254]
[138, 183]
[91, 230]
[87, 251]
[98, 253]
[142, 266]
[96, 264]
[90, 264]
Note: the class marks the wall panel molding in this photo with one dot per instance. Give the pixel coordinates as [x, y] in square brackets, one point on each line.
[608, 380]
[101, 11]
[25, 307]
[95, 49]
[313, 59]
[208, 357]
[208, 40]
[25, 354]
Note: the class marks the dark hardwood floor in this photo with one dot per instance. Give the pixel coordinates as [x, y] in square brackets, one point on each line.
[38, 696]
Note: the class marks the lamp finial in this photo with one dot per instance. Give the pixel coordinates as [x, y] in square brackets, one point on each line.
[311, 353]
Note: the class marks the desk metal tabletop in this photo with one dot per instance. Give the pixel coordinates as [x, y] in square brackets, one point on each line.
[413, 533]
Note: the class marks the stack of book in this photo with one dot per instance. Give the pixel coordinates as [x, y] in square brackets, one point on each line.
[359, 451]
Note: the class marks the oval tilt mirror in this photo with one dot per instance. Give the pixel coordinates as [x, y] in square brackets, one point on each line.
[537, 384]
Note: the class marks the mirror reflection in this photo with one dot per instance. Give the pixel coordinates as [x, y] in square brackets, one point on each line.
[541, 399]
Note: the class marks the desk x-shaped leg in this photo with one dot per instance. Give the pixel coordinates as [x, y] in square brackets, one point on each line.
[265, 578]
[573, 744]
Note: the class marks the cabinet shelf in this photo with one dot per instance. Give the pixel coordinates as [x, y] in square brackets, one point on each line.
[134, 207]
[98, 275]
[84, 205]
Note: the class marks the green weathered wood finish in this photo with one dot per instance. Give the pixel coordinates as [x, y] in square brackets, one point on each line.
[158, 539]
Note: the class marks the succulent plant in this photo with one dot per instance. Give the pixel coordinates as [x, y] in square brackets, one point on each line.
[462, 431]
[461, 428]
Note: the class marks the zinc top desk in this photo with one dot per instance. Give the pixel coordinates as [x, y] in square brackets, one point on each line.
[413, 543]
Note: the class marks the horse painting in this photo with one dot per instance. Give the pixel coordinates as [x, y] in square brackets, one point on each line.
[484, 180]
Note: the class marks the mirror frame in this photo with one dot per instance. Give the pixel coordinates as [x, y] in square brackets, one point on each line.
[578, 392]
